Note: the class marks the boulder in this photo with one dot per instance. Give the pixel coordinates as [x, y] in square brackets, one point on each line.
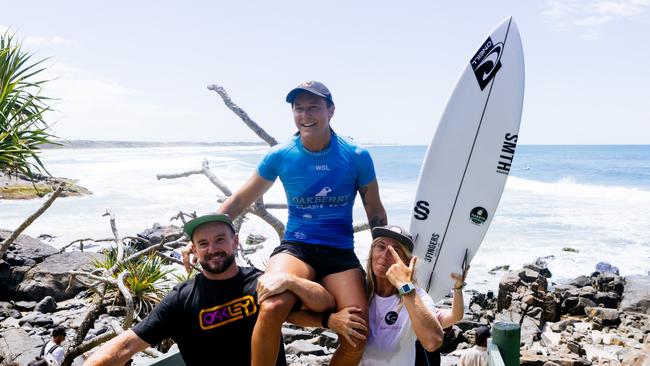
[47, 305]
[530, 332]
[51, 278]
[24, 248]
[636, 296]
[17, 344]
[607, 299]
[156, 234]
[581, 281]
[604, 316]
[576, 305]
[37, 319]
[509, 283]
[304, 347]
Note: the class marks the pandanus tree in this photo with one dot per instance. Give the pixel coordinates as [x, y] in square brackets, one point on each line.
[23, 129]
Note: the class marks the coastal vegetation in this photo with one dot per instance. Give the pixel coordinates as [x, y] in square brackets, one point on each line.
[23, 128]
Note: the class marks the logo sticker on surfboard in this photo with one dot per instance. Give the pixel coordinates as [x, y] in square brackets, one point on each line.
[487, 61]
[478, 215]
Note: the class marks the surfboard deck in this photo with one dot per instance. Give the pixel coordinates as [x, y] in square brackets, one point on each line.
[468, 160]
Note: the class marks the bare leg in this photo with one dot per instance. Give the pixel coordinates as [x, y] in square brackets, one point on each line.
[275, 310]
[348, 289]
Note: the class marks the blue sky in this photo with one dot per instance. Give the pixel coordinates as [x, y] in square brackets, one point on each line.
[138, 70]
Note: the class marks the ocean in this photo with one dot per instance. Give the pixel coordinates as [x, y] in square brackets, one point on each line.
[593, 199]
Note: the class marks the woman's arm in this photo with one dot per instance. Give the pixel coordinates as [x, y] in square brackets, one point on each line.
[347, 323]
[453, 316]
[253, 189]
[372, 204]
[425, 325]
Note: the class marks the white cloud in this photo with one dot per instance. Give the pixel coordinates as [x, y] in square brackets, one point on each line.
[584, 14]
[92, 107]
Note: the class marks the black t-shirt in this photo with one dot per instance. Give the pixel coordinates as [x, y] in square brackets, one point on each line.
[212, 321]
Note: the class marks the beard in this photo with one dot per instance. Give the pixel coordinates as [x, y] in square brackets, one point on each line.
[218, 268]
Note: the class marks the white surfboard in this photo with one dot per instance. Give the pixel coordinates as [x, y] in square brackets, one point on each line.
[467, 163]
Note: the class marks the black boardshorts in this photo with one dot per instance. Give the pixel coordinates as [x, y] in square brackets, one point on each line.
[325, 260]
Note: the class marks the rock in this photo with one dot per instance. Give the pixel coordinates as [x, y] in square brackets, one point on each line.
[25, 247]
[466, 325]
[562, 324]
[47, 305]
[607, 299]
[576, 348]
[50, 278]
[156, 234]
[25, 305]
[303, 347]
[36, 319]
[576, 305]
[293, 334]
[539, 268]
[529, 358]
[527, 275]
[499, 268]
[636, 296]
[509, 283]
[571, 250]
[581, 281]
[530, 332]
[5, 271]
[19, 344]
[603, 316]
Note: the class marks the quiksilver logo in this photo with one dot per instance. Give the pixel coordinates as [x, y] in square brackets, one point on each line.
[487, 61]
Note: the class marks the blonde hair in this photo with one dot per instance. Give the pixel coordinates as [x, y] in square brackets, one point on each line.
[371, 279]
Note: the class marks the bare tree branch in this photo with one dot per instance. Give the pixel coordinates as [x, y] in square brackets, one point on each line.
[128, 299]
[259, 131]
[7, 243]
[118, 240]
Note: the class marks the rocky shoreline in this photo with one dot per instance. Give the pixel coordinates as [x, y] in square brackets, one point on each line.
[596, 319]
[20, 187]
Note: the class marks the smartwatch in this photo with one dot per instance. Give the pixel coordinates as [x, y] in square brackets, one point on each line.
[406, 288]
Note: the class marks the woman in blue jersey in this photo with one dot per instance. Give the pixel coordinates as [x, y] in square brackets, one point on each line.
[321, 173]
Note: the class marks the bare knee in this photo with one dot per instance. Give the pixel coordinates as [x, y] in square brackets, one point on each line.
[276, 309]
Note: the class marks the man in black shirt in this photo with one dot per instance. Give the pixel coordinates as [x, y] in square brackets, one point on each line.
[211, 316]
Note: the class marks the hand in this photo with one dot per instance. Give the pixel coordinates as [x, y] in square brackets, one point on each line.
[188, 260]
[399, 274]
[349, 324]
[459, 280]
[270, 284]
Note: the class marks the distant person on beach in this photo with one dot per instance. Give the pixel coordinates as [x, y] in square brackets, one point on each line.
[211, 317]
[477, 355]
[52, 352]
[321, 173]
[400, 313]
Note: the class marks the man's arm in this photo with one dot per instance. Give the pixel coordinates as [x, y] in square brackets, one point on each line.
[372, 204]
[312, 294]
[118, 350]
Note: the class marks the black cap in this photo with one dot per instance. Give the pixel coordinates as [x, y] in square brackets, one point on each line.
[191, 225]
[483, 332]
[394, 232]
[314, 87]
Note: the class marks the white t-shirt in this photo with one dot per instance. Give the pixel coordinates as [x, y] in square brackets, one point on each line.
[475, 356]
[57, 353]
[392, 339]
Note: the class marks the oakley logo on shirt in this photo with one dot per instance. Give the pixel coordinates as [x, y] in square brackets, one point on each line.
[229, 312]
